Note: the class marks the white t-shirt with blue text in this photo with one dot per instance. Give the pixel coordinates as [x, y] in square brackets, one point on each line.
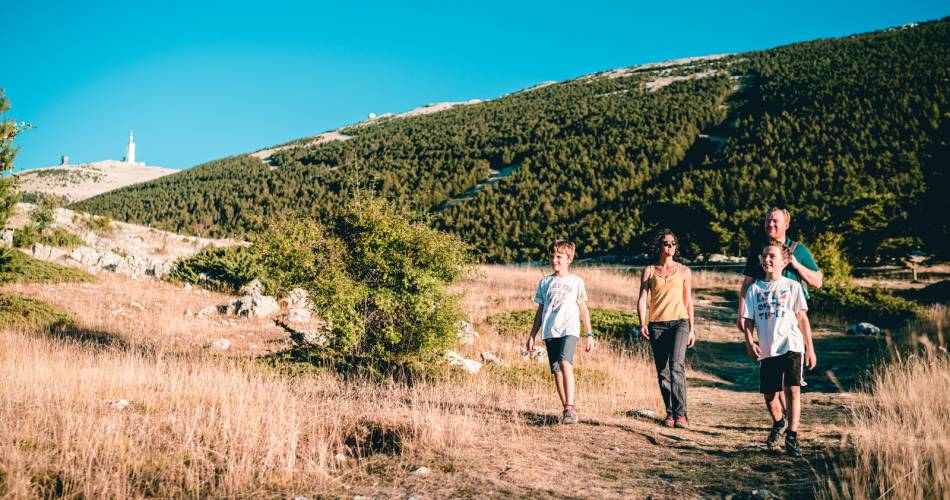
[561, 297]
[774, 305]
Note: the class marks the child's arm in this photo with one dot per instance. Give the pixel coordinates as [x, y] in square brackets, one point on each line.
[585, 321]
[642, 302]
[747, 327]
[751, 346]
[529, 345]
[688, 300]
[811, 360]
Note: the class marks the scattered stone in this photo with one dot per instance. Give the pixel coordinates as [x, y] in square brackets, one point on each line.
[422, 471]
[318, 334]
[301, 497]
[491, 359]
[863, 329]
[298, 298]
[255, 287]
[642, 413]
[456, 359]
[539, 355]
[466, 333]
[299, 315]
[763, 493]
[136, 305]
[6, 238]
[709, 403]
[120, 404]
[208, 311]
[221, 344]
[614, 449]
[187, 286]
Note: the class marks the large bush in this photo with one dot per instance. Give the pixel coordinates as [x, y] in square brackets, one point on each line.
[379, 278]
[220, 269]
[874, 305]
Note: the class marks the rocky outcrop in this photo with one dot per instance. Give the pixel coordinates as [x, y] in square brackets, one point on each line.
[250, 306]
[94, 261]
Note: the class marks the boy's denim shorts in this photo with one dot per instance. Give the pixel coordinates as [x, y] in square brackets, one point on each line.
[560, 349]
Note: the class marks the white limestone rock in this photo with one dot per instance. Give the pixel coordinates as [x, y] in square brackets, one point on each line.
[466, 333]
[491, 359]
[456, 359]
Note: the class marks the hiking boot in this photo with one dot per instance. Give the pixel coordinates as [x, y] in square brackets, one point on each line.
[569, 417]
[791, 446]
[681, 422]
[777, 429]
[669, 422]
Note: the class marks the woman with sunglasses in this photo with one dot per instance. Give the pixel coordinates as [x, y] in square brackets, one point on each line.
[666, 292]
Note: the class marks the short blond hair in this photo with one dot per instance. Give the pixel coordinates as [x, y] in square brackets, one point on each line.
[565, 246]
[788, 215]
[786, 252]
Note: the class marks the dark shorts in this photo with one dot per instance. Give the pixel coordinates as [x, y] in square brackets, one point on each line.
[560, 349]
[782, 370]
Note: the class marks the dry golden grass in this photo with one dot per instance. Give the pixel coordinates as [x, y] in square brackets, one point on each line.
[898, 435]
[202, 424]
[154, 313]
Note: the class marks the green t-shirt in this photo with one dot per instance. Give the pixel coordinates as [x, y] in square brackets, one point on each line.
[754, 269]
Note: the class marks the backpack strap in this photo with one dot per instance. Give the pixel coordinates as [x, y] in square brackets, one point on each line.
[791, 248]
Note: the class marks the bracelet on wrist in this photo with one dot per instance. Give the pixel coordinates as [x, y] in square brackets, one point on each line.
[590, 334]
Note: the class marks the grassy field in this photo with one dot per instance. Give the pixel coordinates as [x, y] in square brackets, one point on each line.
[139, 404]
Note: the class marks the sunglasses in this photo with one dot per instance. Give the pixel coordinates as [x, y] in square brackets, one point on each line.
[668, 243]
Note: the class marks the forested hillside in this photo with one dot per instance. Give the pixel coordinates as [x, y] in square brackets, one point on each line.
[850, 134]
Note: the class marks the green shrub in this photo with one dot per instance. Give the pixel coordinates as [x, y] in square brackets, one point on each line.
[31, 234]
[379, 278]
[219, 269]
[61, 238]
[830, 257]
[17, 267]
[874, 305]
[22, 312]
[26, 236]
[99, 224]
[37, 198]
[619, 325]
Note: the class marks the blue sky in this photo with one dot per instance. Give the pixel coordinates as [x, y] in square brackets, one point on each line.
[201, 80]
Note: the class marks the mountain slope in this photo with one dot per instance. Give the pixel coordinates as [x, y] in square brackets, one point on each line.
[850, 134]
[78, 182]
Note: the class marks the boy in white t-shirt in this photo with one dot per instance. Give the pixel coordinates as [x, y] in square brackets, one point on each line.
[776, 309]
[562, 307]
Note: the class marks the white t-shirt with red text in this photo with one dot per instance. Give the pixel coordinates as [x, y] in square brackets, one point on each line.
[774, 305]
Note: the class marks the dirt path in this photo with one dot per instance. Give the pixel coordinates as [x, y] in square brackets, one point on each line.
[721, 455]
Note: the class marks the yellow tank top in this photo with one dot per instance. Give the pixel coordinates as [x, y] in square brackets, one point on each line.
[666, 296]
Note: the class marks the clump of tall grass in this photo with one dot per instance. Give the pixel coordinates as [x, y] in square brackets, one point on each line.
[898, 436]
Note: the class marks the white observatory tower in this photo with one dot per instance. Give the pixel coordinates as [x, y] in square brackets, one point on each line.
[130, 149]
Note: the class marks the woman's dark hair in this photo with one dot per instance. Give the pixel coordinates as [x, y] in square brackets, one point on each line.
[658, 240]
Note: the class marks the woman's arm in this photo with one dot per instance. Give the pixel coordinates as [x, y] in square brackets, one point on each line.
[642, 302]
[688, 302]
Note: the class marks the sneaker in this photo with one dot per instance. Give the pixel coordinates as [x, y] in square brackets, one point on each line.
[569, 417]
[777, 429]
[669, 422]
[791, 446]
[681, 422]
